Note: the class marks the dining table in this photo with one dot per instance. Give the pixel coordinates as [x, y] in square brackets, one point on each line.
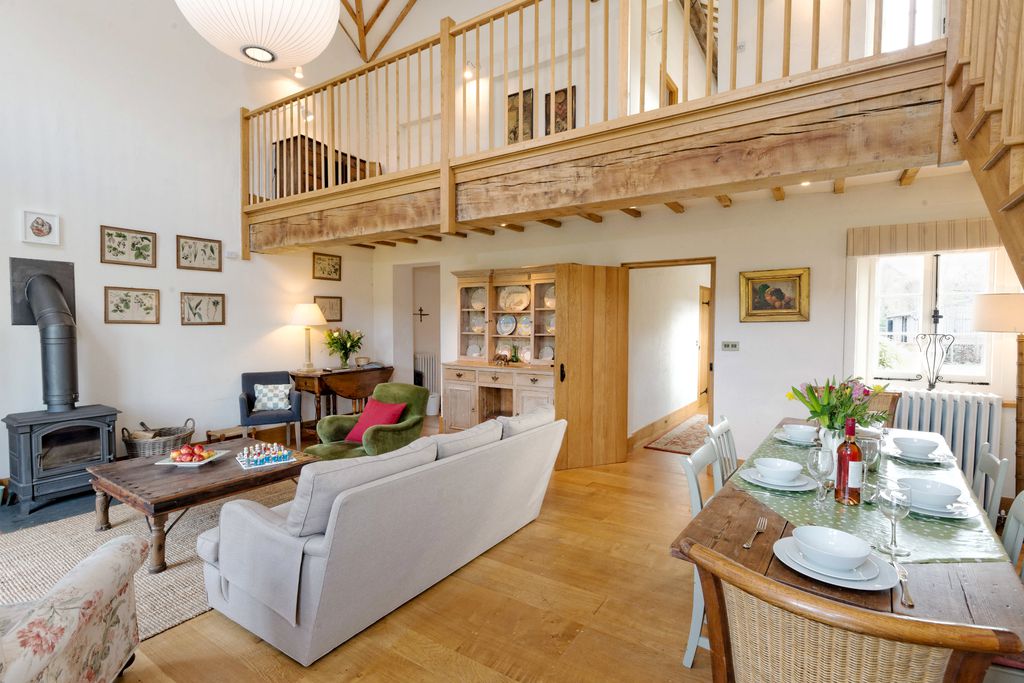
[957, 568]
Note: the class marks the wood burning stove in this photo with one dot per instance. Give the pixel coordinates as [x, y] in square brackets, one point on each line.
[50, 449]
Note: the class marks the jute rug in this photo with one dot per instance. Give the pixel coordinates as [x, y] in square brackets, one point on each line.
[684, 438]
[32, 560]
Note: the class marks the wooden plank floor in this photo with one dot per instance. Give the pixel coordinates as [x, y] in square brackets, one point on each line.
[588, 592]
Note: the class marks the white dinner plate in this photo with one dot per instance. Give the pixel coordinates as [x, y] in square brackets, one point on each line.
[803, 482]
[477, 323]
[473, 351]
[549, 297]
[955, 511]
[865, 572]
[478, 299]
[785, 438]
[168, 461]
[917, 460]
[514, 298]
[546, 353]
[524, 325]
[886, 579]
[506, 325]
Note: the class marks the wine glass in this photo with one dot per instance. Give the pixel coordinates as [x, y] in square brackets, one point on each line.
[819, 464]
[870, 453]
[894, 503]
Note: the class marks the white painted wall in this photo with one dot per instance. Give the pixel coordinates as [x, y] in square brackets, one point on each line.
[426, 294]
[756, 233]
[664, 331]
[129, 118]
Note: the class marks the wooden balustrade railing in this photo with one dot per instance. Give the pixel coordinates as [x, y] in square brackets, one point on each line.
[533, 69]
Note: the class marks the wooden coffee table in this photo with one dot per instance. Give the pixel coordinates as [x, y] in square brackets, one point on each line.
[158, 490]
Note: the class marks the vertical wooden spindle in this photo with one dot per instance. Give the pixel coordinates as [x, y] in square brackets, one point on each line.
[787, 36]
[551, 87]
[490, 84]
[570, 115]
[846, 30]
[663, 67]
[876, 48]
[759, 56]
[419, 107]
[643, 54]
[586, 60]
[709, 41]
[519, 128]
[476, 91]
[912, 28]
[685, 85]
[607, 44]
[733, 53]
[815, 33]
[430, 93]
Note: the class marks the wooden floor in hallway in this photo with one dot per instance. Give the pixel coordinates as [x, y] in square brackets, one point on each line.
[587, 592]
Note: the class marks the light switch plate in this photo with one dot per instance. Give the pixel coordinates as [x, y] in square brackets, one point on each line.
[730, 346]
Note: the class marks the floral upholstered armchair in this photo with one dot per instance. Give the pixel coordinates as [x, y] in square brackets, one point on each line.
[84, 629]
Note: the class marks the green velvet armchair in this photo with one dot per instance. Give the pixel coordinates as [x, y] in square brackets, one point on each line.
[333, 429]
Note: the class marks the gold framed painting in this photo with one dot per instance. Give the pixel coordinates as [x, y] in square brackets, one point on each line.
[781, 295]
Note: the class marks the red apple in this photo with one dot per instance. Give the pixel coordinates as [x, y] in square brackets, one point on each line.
[186, 449]
[175, 455]
[199, 448]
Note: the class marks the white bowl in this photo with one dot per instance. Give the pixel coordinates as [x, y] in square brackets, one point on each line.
[778, 470]
[831, 548]
[932, 494]
[916, 447]
[804, 433]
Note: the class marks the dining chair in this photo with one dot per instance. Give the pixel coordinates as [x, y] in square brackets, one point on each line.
[885, 402]
[725, 446]
[693, 465]
[989, 476]
[763, 630]
[1013, 530]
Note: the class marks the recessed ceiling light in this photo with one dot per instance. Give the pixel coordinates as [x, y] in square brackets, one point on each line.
[298, 73]
[805, 183]
[258, 54]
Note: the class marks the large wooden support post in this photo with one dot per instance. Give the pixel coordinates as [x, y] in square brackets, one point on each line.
[1018, 466]
[448, 81]
[243, 124]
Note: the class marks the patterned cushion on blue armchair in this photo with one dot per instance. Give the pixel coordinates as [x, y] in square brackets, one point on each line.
[272, 397]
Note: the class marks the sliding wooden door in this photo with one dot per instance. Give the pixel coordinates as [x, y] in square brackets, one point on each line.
[591, 363]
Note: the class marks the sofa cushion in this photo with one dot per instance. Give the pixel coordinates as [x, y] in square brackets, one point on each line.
[375, 413]
[458, 442]
[510, 426]
[321, 482]
[208, 545]
[272, 397]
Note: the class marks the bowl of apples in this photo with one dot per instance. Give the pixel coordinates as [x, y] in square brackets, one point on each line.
[190, 456]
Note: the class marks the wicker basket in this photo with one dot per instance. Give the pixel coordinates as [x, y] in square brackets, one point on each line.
[164, 440]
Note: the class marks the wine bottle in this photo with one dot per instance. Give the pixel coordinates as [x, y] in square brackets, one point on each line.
[849, 467]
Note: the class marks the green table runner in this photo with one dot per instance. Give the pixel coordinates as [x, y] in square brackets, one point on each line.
[927, 538]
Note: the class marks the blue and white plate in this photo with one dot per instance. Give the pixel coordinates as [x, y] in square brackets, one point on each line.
[506, 324]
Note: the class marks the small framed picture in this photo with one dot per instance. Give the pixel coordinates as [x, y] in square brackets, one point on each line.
[326, 266]
[203, 308]
[775, 295]
[197, 253]
[331, 306]
[131, 306]
[127, 247]
[40, 228]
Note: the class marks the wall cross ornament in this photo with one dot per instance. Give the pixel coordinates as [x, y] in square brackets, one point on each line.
[421, 314]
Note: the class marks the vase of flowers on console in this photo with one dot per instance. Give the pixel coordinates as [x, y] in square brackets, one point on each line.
[343, 343]
[832, 402]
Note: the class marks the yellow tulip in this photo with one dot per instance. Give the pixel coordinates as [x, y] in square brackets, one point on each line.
[790, 396]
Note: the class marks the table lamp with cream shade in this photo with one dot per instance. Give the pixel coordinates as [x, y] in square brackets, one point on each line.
[308, 315]
[1005, 313]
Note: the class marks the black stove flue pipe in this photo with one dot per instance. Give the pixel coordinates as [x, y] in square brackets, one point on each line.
[58, 342]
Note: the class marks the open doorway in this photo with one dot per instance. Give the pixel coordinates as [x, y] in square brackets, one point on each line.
[671, 353]
[426, 337]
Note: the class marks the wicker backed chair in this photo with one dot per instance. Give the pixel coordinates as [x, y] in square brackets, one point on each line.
[762, 630]
[885, 402]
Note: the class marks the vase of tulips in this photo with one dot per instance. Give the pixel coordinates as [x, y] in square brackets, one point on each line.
[343, 343]
[832, 402]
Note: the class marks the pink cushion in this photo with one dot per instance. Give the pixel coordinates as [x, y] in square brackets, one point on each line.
[376, 413]
[1012, 662]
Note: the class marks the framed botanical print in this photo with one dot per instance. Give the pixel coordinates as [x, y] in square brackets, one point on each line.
[512, 117]
[197, 253]
[775, 295]
[131, 306]
[40, 228]
[127, 247]
[331, 307]
[202, 308]
[326, 266]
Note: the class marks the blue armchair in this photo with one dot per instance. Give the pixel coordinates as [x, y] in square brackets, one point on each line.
[247, 399]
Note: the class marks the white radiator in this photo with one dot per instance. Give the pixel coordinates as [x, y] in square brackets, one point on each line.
[427, 364]
[965, 420]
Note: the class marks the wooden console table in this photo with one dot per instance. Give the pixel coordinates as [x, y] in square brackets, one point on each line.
[355, 384]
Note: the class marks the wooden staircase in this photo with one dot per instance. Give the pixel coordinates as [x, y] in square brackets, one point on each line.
[985, 94]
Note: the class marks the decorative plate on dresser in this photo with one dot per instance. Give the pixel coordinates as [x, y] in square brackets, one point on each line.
[549, 297]
[478, 299]
[524, 325]
[506, 324]
[514, 298]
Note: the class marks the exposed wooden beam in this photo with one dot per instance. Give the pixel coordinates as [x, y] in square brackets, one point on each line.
[676, 207]
[361, 29]
[386, 243]
[514, 227]
[778, 193]
[907, 176]
[364, 246]
[724, 199]
[354, 41]
[432, 238]
[348, 8]
[839, 186]
[387, 36]
[406, 240]
[550, 222]
[632, 212]
[482, 231]
[376, 15]
[592, 217]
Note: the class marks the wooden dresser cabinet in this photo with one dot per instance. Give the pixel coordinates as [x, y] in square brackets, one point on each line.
[569, 324]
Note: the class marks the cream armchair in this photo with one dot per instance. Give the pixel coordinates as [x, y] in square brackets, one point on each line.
[84, 629]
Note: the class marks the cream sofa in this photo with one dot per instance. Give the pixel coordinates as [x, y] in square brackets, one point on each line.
[364, 535]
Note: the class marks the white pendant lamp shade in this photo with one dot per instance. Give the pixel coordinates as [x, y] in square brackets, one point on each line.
[276, 34]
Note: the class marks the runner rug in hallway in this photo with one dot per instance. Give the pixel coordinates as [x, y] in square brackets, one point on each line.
[684, 438]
